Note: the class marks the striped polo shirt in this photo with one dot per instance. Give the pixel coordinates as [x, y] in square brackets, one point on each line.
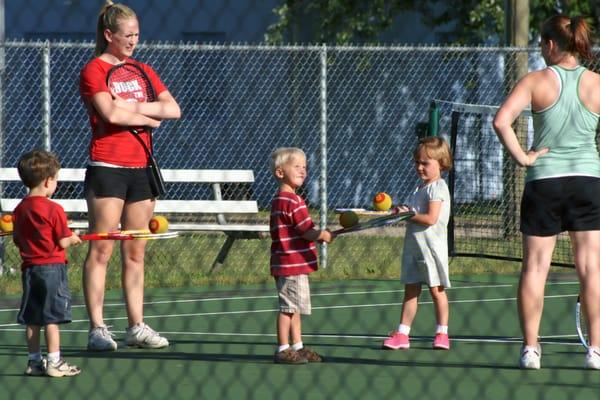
[291, 254]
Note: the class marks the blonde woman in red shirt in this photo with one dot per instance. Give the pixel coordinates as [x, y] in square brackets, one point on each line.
[117, 186]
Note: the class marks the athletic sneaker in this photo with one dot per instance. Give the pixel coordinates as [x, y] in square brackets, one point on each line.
[289, 356]
[36, 368]
[310, 354]
[61, 368]
[441, 341]
[530, 357]
[101, 339]
[396, 341]
[592, 358]
[141, 335]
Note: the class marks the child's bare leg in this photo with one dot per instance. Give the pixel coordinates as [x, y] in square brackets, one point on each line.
[284, 324]
[410, 304]
[32, 335]
[440, 302]
[296, 328]
[52, 338]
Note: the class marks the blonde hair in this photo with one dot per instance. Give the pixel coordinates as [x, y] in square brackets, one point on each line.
[282, 155]
[111, 14]
[437, 149]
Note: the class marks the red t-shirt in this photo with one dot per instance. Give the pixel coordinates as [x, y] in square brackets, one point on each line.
[113, 144]
[291, 254]
[38, 225]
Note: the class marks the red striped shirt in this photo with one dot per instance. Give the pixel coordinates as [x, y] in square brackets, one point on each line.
[291, 254]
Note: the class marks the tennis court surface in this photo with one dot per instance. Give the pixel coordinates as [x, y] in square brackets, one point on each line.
[223, 339]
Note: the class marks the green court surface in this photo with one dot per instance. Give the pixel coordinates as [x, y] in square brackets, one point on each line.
[223, 339]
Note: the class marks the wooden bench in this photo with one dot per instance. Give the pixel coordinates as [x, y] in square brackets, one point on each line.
[216, 207]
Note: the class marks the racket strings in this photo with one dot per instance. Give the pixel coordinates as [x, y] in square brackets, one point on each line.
[130, 83]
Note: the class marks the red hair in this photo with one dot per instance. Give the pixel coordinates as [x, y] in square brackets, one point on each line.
[570, 34]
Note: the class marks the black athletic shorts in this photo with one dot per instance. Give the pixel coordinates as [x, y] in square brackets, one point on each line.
[129, 184]
[46, 296]
[554, 205]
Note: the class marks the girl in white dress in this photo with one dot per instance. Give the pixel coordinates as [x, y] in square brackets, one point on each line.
[425, 254]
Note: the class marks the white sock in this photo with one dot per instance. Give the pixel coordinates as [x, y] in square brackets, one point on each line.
[404, 329]
[35, 356]
[283, 347]
[297, 346]
[442, 329]
[54, 357]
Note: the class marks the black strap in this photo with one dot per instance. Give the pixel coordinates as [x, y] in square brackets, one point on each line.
[149, 151]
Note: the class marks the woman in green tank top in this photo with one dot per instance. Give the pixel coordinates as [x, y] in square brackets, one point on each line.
[563, 168]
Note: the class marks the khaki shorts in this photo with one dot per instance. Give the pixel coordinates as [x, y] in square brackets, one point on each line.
[294, 294]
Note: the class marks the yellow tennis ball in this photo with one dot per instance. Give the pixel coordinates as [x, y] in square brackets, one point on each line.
[382, 201]
[348, 219]
[158, 224]
[6, 223]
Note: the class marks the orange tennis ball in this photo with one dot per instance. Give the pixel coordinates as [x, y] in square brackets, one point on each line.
[382, 201]
[158, 224]
[348, 219]
[6, 223]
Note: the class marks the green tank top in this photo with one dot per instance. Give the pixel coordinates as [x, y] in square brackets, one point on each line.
[568, 129]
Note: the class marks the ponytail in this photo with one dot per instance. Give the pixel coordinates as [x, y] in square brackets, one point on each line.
[581, 38]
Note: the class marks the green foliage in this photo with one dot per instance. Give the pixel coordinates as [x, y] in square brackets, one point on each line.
[333, 21]
[455, 21]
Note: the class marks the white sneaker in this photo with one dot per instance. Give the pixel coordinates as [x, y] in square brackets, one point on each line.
[141, 335]
[530, 357]
[592, 358]
[101, 339]
[61, 368]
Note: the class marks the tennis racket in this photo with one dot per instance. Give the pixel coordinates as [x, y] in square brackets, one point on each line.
[130, 82]
[363, 211]
[377, 222]
[128, 235]
[581, 323]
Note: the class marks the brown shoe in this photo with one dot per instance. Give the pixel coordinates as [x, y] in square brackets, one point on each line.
[310, 354]
[289, 356]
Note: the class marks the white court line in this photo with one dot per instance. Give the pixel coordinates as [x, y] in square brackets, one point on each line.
[270, 310]
[269, 297]
[274, 296]
[474, 339]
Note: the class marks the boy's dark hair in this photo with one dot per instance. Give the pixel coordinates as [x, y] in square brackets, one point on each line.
[37, 165]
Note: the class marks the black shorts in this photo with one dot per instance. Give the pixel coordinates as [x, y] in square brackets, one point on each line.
[554, 205]
[129, 184]
[46, 296]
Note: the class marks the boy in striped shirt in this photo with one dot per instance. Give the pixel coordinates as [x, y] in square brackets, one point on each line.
[293, 254]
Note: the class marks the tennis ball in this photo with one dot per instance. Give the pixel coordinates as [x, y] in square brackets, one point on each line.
[348, 219]
[382, 201]
[158, 224]
[6, 223]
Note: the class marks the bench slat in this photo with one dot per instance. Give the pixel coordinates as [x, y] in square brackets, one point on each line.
[169, 175]
[162, 206]
[217, 227]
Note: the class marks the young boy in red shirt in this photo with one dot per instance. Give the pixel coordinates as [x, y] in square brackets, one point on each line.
[293, 254]
[42, 235]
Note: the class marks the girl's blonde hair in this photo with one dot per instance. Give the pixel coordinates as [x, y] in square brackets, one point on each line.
[110, 16]
[282, 155]
[436, 148]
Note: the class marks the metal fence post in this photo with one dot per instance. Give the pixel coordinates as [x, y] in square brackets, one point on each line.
[323, 148]
[46, 96]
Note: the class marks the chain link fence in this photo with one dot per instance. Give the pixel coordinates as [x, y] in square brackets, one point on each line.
[355, 112]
